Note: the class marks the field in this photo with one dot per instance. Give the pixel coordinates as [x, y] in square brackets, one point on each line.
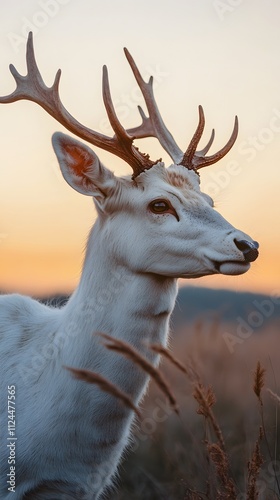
[224, 444]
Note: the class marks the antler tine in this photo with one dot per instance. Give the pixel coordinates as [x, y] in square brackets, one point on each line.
[193, 159]
[204, 161]
[116, 125]
[145, 129]
[33, 88]
[152, 125]
[189, 154]
[206, 148]
[138, 161]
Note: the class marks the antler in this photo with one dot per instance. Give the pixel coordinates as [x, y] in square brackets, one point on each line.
[33, 88]
[153, 125]
[193, 159]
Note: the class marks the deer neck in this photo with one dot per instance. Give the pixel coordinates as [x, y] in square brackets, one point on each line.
[111, 298]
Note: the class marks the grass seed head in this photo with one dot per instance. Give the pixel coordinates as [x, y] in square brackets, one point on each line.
[259, 380]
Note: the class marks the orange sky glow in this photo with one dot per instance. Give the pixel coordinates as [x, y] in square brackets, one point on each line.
[211, 53]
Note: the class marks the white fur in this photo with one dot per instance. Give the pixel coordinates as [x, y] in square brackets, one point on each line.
[71, 435]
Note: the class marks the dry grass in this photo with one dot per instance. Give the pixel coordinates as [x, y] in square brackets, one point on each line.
[159, 349]
[104, 384]
[129, 352]
[206, 398]
[226, 489]
[233, 452]
[254, 467]
[259, 381]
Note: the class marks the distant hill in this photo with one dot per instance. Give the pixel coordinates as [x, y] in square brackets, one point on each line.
[193, 302]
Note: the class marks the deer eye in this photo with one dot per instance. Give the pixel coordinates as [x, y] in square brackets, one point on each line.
[159, 206]
[162, 207]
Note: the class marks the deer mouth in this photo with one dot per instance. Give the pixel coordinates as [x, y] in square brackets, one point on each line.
[232, 267]
[250, 253]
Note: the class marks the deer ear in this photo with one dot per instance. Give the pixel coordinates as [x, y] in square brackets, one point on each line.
[81, 167]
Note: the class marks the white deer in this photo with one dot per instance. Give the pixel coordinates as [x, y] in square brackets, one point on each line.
[151, 230]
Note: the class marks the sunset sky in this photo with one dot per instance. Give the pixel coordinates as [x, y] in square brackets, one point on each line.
[224, 55]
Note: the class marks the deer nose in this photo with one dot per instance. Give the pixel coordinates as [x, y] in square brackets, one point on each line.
[248, 248]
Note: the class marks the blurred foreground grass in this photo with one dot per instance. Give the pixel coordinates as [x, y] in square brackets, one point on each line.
[171, 457]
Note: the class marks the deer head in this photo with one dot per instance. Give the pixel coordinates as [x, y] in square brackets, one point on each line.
[159, 221]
